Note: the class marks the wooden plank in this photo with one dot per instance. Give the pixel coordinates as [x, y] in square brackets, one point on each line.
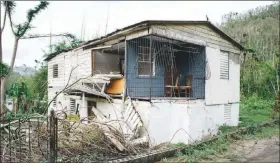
[133, 119]
[191, 34]
[116, 86]
[208, 34]
[138, 141]
[176, 36]
[92, 61]
[137, 34]
[128, 111]
[212, 39]
[106, 130]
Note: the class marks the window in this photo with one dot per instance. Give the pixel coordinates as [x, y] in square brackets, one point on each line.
[54, 102]
[55, 71]
[72, 106]
[224, 65]
[144, 61]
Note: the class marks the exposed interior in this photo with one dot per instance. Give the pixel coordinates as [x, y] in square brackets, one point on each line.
[161, 67]
[109, 60]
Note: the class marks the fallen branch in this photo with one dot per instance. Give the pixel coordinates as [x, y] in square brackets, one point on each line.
[47, 35]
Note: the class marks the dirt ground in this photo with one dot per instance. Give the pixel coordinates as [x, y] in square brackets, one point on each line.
[262, 150]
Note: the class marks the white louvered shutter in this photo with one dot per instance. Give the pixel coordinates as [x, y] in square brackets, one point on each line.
[224, 65]
[72, 106]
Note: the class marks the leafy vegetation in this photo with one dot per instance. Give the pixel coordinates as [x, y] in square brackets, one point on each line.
[18, 30]
[35, 87]
[4, 69]
[28, 92]
[258, 31]
[63, 45]
[254, 109]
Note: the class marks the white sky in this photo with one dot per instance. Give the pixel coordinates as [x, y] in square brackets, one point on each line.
[63, 16]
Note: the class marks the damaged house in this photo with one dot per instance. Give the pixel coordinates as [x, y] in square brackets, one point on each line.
[167, 81]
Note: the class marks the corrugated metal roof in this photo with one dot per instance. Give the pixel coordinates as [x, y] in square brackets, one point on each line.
[148, 23]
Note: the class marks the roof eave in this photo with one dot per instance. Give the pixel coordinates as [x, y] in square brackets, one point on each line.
[226, 36]
[145, 24]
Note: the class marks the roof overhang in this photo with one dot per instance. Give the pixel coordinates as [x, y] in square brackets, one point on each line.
[145, 25]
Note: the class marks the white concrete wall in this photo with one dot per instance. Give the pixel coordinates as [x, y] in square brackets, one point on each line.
[192, 120]
[212, 83]
[110, 110]
[168, 122]
[217, 90]
[205, 120]
[176, 121]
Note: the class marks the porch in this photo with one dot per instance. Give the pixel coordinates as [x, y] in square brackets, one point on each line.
[159, 68]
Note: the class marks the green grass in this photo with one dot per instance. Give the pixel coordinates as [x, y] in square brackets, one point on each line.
[254, 110]
[264, 132]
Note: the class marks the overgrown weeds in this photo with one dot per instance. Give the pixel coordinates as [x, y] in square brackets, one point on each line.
[254, 110]
[210, 150]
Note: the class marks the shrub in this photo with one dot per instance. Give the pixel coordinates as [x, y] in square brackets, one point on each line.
[254, 109]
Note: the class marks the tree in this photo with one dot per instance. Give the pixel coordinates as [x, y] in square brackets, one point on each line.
[18, 30]
[257, 30]
[59, 47]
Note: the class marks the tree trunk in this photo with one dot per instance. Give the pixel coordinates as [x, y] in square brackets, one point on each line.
[14, 55]
[3, 81]
[1, 110]
[2, 95]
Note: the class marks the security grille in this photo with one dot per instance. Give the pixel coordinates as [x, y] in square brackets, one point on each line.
[160, 67]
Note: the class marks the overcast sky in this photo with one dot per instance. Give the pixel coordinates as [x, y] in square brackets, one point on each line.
[63, 16]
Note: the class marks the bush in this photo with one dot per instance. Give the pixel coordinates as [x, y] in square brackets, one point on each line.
[254, 109]
[4, 69]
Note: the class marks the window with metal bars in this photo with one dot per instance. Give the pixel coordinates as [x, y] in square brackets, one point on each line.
[55, 71]
[224, 65]
[145, 61]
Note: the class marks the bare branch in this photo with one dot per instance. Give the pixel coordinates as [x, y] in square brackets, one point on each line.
[46, 35]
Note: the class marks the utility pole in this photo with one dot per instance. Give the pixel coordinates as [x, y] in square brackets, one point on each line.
[51, 37]
[107, 20]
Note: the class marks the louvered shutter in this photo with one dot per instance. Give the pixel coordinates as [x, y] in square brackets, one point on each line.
[224, 65]
[72, 106]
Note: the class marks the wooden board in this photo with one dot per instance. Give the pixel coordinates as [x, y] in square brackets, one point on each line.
[92, 61]
[116, 86]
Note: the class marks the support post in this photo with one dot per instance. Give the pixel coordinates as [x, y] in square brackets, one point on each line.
[84, 112]
[52, 138]
[150, 58]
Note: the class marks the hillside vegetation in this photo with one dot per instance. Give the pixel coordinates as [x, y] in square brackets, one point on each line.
[258, 31]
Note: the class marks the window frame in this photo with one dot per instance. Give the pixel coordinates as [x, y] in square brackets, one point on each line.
[141, 61]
